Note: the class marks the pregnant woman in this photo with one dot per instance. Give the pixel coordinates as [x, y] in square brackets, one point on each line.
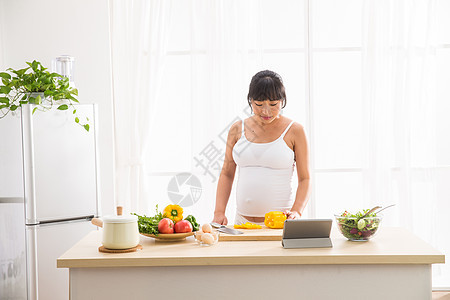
[266, 147]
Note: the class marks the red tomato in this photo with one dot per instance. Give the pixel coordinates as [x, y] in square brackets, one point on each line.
[165, 226]
[183, 226]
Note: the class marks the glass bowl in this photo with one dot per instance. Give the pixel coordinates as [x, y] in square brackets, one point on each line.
[206, 239]
[356, 229]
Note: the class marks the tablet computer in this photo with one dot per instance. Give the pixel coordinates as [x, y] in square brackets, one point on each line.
[307, 233]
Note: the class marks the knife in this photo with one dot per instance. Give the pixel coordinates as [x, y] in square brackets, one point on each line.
[229, 230]
[224, 229]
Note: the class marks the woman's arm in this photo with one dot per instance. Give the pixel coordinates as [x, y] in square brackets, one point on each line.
[226, 175]
[301, 152]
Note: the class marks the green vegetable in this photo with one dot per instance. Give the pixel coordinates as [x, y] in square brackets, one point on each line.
[354, 227]
[361, 224]
[149, 225]
[193, 221]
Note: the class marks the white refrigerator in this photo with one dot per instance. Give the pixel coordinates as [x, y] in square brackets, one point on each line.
[49, 192]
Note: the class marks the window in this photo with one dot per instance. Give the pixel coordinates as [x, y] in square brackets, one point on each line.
[316, 46]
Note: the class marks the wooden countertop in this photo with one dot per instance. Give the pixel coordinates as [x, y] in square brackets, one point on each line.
[389, 246]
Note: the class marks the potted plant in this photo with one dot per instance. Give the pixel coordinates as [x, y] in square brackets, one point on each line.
[36, 85]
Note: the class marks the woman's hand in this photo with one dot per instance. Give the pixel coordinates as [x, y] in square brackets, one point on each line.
[220, 218]
[292, 214]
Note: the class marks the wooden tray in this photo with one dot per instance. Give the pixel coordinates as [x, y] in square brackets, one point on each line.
[264, 234]
[170, 237]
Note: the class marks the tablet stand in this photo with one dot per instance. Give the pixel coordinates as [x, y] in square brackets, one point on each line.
[307, 243]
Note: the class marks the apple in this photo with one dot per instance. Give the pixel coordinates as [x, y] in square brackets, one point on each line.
[183, 226]
[165, 226]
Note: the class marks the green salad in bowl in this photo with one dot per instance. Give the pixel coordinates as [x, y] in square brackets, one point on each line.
[355, 227]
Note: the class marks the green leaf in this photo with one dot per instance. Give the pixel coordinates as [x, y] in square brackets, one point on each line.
[63, 107]
[3, 106]
[77, 120]
[20, 72]
[14, 107]
[73, 99]
[34, 65]
[23, 102]
[38, 100]
[24, 97]
[86, 127]
[5, 75]
[74, 111]
[5, 89]
[4, 100]
[34, 109]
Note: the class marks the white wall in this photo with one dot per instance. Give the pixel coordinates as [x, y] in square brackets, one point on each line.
[45, 29]
[2, 44]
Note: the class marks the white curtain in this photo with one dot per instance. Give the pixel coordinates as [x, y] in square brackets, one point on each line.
[399, 101]
[139, 35]
[227, 51]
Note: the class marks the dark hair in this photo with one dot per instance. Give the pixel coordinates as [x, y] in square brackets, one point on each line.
[266, 85]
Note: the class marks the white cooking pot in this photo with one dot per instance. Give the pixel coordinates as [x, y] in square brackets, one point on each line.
[119, 232]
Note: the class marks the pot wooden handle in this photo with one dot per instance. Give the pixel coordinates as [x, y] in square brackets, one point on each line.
[119, 210]
[97, 222]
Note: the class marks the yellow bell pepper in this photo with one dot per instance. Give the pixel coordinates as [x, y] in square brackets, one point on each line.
[247, 225]
[173, 212]
[274, 219]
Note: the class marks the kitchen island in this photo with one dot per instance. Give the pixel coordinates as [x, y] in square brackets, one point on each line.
[395, 264]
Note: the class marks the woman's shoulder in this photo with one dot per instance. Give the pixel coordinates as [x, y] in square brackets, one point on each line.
[295, 125]
[236, 127]
[235, 131]
[296, 130]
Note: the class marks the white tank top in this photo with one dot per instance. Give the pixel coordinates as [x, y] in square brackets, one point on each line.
[265, 175]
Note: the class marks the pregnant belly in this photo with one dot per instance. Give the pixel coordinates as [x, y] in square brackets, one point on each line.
[260, 190]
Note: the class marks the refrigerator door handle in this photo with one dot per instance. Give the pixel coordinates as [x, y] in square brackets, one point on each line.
[65, 221]
[11, 200]
[28, 165]
[32, 267]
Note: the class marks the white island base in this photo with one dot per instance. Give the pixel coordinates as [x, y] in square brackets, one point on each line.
[384, 268]
[254, 282]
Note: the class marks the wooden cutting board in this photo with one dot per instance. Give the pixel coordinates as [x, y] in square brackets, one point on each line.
[264, 234]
